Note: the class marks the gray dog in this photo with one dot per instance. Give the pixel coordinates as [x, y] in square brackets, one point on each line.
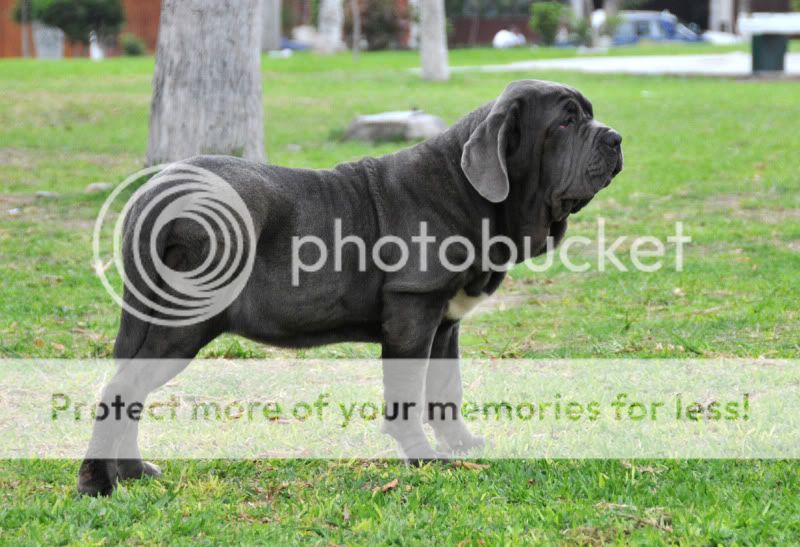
[519, 165]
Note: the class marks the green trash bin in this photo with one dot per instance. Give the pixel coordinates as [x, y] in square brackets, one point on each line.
[769, 52]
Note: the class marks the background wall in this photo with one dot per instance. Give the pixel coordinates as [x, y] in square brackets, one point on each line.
[141, 19]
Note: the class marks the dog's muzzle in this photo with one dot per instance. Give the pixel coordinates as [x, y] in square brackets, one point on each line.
[612, 143]
[606, 163]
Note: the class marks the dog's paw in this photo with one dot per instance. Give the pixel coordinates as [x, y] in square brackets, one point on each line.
[466, 443]
[457, 438]
[420, 453]
[136, 469]
[97, 477]
[152, 470]
[438, 457]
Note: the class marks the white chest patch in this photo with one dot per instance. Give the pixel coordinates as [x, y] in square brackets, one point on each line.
[461, 304]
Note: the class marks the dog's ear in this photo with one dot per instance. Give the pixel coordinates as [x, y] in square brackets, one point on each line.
[484, 157]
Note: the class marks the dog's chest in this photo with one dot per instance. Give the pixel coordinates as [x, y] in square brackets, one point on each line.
[462, 304]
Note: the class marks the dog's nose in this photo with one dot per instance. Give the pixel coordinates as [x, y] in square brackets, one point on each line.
[612, 139]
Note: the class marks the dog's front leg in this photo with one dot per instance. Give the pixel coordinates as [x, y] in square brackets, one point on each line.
[409, 325]
[444, 393]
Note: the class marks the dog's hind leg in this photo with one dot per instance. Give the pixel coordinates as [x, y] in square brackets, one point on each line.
[164, 352]
[148, 376]
[444, 392]
[147, 355]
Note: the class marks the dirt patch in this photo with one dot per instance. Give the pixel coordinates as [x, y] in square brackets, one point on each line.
[11, 201]
[28, 208]
[502, 301]
[589, 535]
[51, 109]
[515, 293]
[733, 204]
[724, 202]
[26, 158]
[20, 158]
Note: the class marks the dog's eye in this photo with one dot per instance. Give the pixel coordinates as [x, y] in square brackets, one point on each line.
[569, 122]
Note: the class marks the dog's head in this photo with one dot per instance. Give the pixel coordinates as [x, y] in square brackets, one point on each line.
[539, 147]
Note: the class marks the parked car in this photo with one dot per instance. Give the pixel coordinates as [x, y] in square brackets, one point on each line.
[657, 26]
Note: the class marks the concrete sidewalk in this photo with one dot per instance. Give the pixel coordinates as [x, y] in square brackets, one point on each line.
[736, 64]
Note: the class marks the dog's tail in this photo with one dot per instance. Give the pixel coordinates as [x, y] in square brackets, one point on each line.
[142, 281]
[188, 248]
[159, 239]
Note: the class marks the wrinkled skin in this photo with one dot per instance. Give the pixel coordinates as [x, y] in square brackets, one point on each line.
[558, 168]
[595, 158]
[522, 164]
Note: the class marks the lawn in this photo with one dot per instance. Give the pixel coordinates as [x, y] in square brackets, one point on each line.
[718, 155]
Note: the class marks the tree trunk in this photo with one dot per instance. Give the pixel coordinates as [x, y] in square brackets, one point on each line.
[744, 10]
[355, 11]
[207, 85]
[476, 22]
[25, 21]
[588, 10]
[271, 27]
[744, 7]
[578, 8]
[433, 40]
[413, 24]
[331, 22]
[474, 27]
[611, 8]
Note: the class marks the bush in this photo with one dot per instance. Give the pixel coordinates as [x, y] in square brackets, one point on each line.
[581, 28]
[76, 17]
[611, 25]
[796, 5]
[545, 20]
[132, 45]
[381, 24]
[34, 10]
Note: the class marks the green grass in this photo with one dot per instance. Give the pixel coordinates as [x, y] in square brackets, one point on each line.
[719, 155]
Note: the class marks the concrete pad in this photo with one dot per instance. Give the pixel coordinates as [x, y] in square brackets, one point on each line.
[736, 64]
